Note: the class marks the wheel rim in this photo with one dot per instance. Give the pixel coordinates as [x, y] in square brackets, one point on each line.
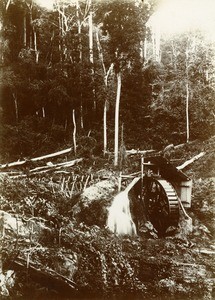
[161, 203]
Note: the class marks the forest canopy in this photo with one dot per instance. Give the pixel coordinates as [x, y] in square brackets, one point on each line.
[63, 65]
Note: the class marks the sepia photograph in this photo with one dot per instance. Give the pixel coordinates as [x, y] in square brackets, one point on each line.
[107, 139]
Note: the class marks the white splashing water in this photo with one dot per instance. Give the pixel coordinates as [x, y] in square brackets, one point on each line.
[119, 218]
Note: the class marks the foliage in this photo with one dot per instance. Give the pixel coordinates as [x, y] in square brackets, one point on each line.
[103, 264]
[184, 60]
[46, 73]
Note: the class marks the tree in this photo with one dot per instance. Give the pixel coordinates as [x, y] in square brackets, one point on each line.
[180, 84]
[123, 29]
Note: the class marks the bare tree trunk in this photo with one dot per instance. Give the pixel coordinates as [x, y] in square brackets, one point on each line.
[35, 47]
[30, 16]
[157, 45]
[43, 112]
[106, 74]
[187, 98]
[16, 107]
[90, 19]
[116, 142]
[105, 127]
[156, 42]
[122, 148]
[24, 32]
[79, 30]
[74, 132]
[100, 52]
[8, 4]
[60, 34]
[145, 49]
[187, 112]
[80, 60]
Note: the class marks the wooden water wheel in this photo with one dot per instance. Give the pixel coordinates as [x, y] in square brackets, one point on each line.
[161, 203]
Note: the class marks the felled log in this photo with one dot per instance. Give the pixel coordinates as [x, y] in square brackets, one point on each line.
[22, 162]
[190, 161]
[48, 168]
[133, 151]
[48, 278]
[56, 166]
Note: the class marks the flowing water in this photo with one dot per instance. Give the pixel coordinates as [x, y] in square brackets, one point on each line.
[119, 218]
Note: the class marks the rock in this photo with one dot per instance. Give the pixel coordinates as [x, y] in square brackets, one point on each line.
[15, 227]
[100, 190]
[148, 230]
[171, 230]
[12, 225]
[6, 282]
[67, 265]
[167, 284]
[92, 205]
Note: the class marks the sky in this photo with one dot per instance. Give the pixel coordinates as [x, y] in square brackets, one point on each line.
[176, 16]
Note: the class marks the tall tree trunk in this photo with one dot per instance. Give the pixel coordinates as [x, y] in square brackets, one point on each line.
[80, 61]
[90, 18]
[8, 4]
[157, 45]
[35, 48]
[187, 112]
[74, 132]
[60, 34]
[105, 127]
[31, 31]
[43, 112]
[187, 97]
[156, 42]
[106, 75]
[145, 49]
[30, 6]
[91, 58]
[24, 31]
[116, 140]
[79, 30]
[16, 107]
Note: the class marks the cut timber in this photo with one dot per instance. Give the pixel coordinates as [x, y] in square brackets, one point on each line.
[44, 169]
[133, 151]
[190, 161]
[22, 162]
[57, 166]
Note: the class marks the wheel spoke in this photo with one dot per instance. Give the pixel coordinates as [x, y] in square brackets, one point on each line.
[157, 202]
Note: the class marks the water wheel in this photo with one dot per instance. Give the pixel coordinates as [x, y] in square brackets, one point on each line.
[161, 203]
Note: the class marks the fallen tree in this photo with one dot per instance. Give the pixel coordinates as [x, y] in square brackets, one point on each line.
[23, 162]
[190, 161]
[44, 169]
